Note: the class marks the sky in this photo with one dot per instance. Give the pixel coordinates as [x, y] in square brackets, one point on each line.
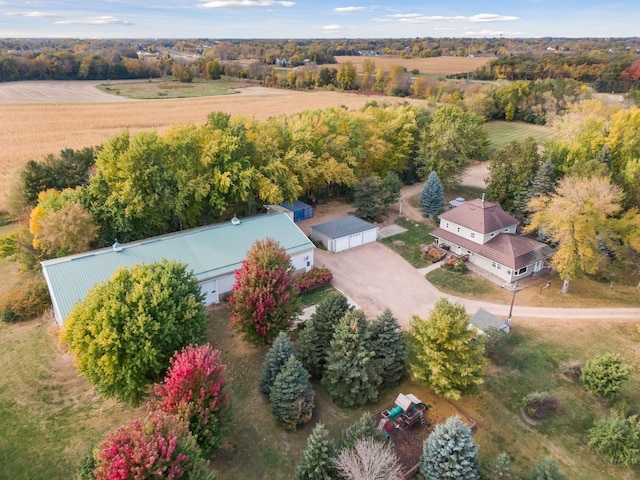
[317, 19]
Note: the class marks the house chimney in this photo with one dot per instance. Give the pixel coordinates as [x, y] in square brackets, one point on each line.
[117, 247]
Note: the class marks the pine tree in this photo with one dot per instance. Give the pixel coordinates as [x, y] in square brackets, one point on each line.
[449, 452]
[546, 469]
[316, 335]
[275, 359]
[389, 349]
[349, 375]
[432, 196]
[362, 428]
[292, 396]
[446, 356]
[317, 458]
[500, 468]
[543, 183]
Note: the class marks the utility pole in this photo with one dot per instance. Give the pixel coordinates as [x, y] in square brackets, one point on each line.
[513, 299]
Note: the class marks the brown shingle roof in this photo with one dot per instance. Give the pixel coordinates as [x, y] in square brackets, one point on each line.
[480, 216]
[513, 251]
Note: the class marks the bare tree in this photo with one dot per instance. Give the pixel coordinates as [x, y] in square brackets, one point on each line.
[369, 460]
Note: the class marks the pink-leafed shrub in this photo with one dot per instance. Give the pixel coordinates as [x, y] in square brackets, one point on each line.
[314, 278]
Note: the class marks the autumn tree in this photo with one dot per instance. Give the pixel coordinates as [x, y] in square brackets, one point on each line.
[317, 332]
[264, 301]
[194, 390]
[157, 446]
[449, 452]
[124, 332]
[317, 461]
[291, 396]
[453, 138]
[432, 196]
[346, 76]
[386, 341]
[446, 357]
[350, 376]
[578, 218]
[275, 359]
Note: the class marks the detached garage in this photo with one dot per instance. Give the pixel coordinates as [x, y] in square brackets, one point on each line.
[344, 233]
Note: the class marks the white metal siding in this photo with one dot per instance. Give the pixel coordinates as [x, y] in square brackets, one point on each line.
[340, 244]
[355, 240]
[370, 235]
[210, 290]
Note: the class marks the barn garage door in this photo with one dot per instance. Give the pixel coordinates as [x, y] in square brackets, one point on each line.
[340, 244]
[355, 240]
[210, 289]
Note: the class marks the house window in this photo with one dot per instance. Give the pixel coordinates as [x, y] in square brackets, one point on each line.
[473, 235]
[458, 229]
[468, 252]
[506, 230]
[492, 235]
[447, 224]
[497, 266]
[521, 271]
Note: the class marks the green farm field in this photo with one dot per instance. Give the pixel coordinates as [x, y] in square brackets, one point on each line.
[158, 89]
[503, 133]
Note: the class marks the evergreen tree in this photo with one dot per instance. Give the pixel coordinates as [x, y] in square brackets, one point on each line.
[449, 452]
[291, 395]
[317, 458]
[275, 359]
[349, 376]
[546, 469]
[432, 196]
[446, 356]
[390, 186]
[500, 468]
[389, 349]
[543, 183]
[605, 375]
[362, 428]
[315, 337]
[367, 198]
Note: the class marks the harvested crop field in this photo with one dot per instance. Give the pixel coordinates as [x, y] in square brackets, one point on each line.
[433, 65]
[68, 120]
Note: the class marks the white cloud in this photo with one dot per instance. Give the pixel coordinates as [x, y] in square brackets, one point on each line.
[478, 18]
[243, 3]
[348, 9]
[103, 20]
[40, 14]
[332, 28]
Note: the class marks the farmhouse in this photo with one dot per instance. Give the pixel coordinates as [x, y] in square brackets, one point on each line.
[213, 253]
[344, 233]
[485, 233]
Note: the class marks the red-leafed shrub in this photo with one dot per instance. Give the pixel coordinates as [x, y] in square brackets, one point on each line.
[314, 278]
[263, 301]
[194, 389]
[157, 446]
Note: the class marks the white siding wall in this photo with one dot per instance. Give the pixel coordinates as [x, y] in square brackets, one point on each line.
[490, 235]
[370, 235]
[461, 231]
[303, 262]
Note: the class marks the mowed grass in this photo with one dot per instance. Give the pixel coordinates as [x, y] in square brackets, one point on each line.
[407, 244]
[503, 133]
[171, 88]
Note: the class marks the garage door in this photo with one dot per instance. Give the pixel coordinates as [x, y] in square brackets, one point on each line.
[355, 240]
[210, 290]
[340, 244]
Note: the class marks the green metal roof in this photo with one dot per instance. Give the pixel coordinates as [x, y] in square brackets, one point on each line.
[343, 227]
[210, 252]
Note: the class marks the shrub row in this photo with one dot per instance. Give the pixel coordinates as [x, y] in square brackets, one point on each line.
[25, 300]
[314, 278]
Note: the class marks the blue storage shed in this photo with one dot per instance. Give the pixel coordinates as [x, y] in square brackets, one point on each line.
[301, 211]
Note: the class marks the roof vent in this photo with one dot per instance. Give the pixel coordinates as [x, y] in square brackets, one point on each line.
[235, 220]
[116, 246]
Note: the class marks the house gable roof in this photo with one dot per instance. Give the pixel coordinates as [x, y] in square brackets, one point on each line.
[343, 226]
[480, 216]
[210, 252]
[512, 251]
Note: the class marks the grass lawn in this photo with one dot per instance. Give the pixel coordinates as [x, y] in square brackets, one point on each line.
[408, 243]
[170, 88]
[315, 296]
[503, 133]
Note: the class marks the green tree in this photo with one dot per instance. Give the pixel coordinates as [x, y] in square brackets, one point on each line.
[367, 198]
[124, 332]
[390, 187]
[213, 69]
[275, 359]
[500, 468]
[346, 76]
[316, 334]
[604, 376]
[543, 183]
[264, 301]
[449, 452]
[432, 196]
[453, 138]
[446, 357]
[577, 217]
[291, 396]
[617, 438]
[386, 341]
[317, 458]
[349, 376]
[362, 428]
[546, 469]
